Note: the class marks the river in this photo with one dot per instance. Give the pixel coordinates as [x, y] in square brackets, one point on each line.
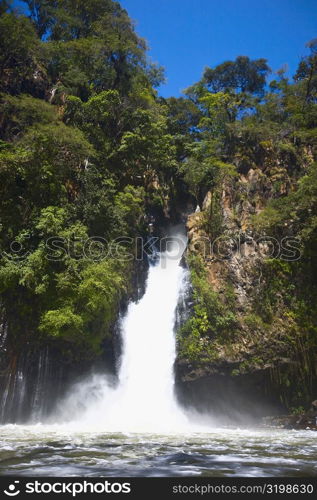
[64, 451]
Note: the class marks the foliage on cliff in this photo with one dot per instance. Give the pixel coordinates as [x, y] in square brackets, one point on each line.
[251, 165]
[82, 139]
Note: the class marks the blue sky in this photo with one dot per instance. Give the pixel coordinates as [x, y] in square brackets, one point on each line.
[187, 35]
[184, 36]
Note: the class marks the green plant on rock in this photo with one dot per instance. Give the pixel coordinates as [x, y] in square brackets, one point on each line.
[212, 322]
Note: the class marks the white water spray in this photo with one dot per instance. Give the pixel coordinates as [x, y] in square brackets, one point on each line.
[144, 397]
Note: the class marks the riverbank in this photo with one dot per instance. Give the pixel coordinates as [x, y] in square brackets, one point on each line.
[298, 421]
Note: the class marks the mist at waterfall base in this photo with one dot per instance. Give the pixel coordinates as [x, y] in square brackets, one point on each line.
[132, 425]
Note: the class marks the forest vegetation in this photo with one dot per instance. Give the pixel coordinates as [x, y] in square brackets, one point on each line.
[89, 151]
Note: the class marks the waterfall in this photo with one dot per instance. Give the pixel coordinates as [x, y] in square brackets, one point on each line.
[143, 399]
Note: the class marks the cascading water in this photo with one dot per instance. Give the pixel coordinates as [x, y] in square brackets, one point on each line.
[144, 397]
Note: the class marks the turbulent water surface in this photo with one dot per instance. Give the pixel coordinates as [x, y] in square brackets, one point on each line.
[134, 426]
[40, 450]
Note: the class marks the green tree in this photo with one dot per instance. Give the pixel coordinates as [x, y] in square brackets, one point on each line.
[20, 70]
[241, 75]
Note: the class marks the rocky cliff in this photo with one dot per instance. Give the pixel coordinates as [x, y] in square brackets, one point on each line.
[246, 344]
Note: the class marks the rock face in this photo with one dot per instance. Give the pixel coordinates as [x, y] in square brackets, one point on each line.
[261, 358]
[242, 400]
